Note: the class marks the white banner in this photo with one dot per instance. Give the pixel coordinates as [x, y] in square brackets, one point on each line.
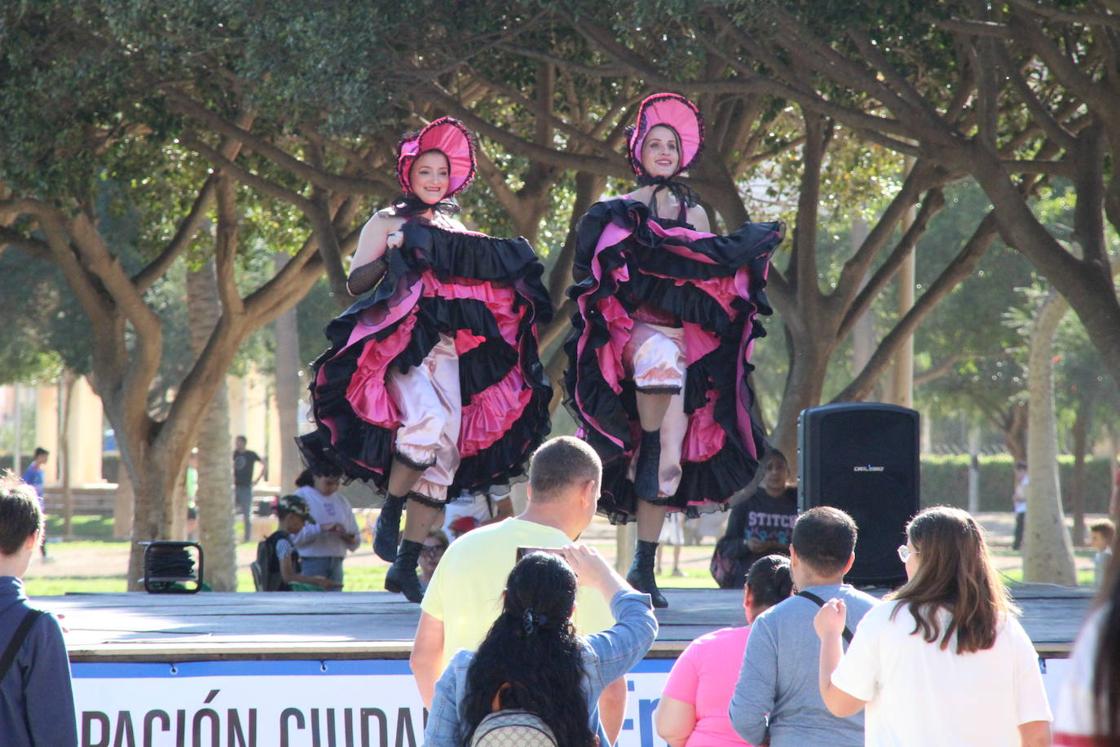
[298, 704]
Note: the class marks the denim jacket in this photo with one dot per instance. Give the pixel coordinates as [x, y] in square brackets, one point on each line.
[606, 657]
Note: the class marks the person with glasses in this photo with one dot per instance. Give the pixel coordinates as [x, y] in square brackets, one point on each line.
[323, 544]
[945, 660]
[435, 544]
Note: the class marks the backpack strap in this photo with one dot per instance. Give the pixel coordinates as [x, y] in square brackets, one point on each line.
[273, 568]
[820, 603]
[18, 638]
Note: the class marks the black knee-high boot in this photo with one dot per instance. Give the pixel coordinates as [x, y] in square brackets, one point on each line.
[647, 470]
[641, 573]
[402, 577]
[387, 532]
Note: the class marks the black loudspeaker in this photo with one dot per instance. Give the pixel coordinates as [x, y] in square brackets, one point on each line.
[863, 459]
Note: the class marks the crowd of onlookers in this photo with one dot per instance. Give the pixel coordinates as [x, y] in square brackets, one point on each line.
[525, 635]
[504, 648]
[533, 650]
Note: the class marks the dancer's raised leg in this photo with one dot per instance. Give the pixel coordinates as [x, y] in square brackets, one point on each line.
[431, 416]
[402, 478]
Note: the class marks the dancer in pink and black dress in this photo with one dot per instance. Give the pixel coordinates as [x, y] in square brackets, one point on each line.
[432, 383]
[660, 350]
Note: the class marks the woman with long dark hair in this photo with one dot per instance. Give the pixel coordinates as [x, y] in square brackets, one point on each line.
[532, 660]
[693, 711]
[944, 660]
[432, 384]
[1088, 709]
[661, 341]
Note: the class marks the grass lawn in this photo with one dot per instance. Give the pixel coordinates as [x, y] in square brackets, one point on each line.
[1011, 567]
[82, 527]
[93, 562]
[57, 585]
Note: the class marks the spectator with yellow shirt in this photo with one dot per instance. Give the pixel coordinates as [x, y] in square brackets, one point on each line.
[464, 597]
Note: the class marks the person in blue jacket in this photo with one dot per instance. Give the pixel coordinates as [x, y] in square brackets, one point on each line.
[36, 698]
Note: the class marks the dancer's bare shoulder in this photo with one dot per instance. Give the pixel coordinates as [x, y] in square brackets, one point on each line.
[386, 218]
[698, 219]
[374, 237]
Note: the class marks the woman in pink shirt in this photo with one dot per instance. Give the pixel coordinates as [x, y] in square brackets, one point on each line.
[693, 707]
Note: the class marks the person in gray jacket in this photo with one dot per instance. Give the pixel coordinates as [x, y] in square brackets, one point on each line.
[777, 700]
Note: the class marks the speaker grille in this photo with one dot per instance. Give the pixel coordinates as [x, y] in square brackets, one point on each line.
[863, 458]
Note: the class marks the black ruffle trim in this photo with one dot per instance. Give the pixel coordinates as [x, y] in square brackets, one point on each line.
[451, 254]
[484, 366]
[731, 468]
[711, 482]
[459, 256]
[508, 457]
[751, 245]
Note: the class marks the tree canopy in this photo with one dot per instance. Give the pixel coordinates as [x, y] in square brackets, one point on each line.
[139, 138]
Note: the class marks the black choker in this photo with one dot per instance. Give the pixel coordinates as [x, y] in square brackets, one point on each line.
[684, 194]
[407, 206]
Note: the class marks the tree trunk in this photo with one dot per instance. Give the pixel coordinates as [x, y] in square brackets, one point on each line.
[1047, 549]
[215, 496]
[17, 426]
[1082, 424]
[288, 388]
[589, 187]
[174, 525]
[1014, 428]
[863, 331]
[1088, 288]
[153, 480]
[123, 505]
[973, 469]
[808, 361]
[902, 372]
[69, 380]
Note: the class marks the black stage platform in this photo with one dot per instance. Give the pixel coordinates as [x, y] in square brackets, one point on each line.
[377, 625]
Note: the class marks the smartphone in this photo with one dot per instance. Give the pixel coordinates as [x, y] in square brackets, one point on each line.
[523, 551]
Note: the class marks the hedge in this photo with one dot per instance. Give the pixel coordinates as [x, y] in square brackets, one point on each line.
[945, 482]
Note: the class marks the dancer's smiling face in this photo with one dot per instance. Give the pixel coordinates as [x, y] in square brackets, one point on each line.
[430, 176]
[660, 152]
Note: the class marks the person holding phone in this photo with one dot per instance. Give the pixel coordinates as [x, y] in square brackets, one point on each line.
[532, 659]
[464, 597]
[324, 543]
